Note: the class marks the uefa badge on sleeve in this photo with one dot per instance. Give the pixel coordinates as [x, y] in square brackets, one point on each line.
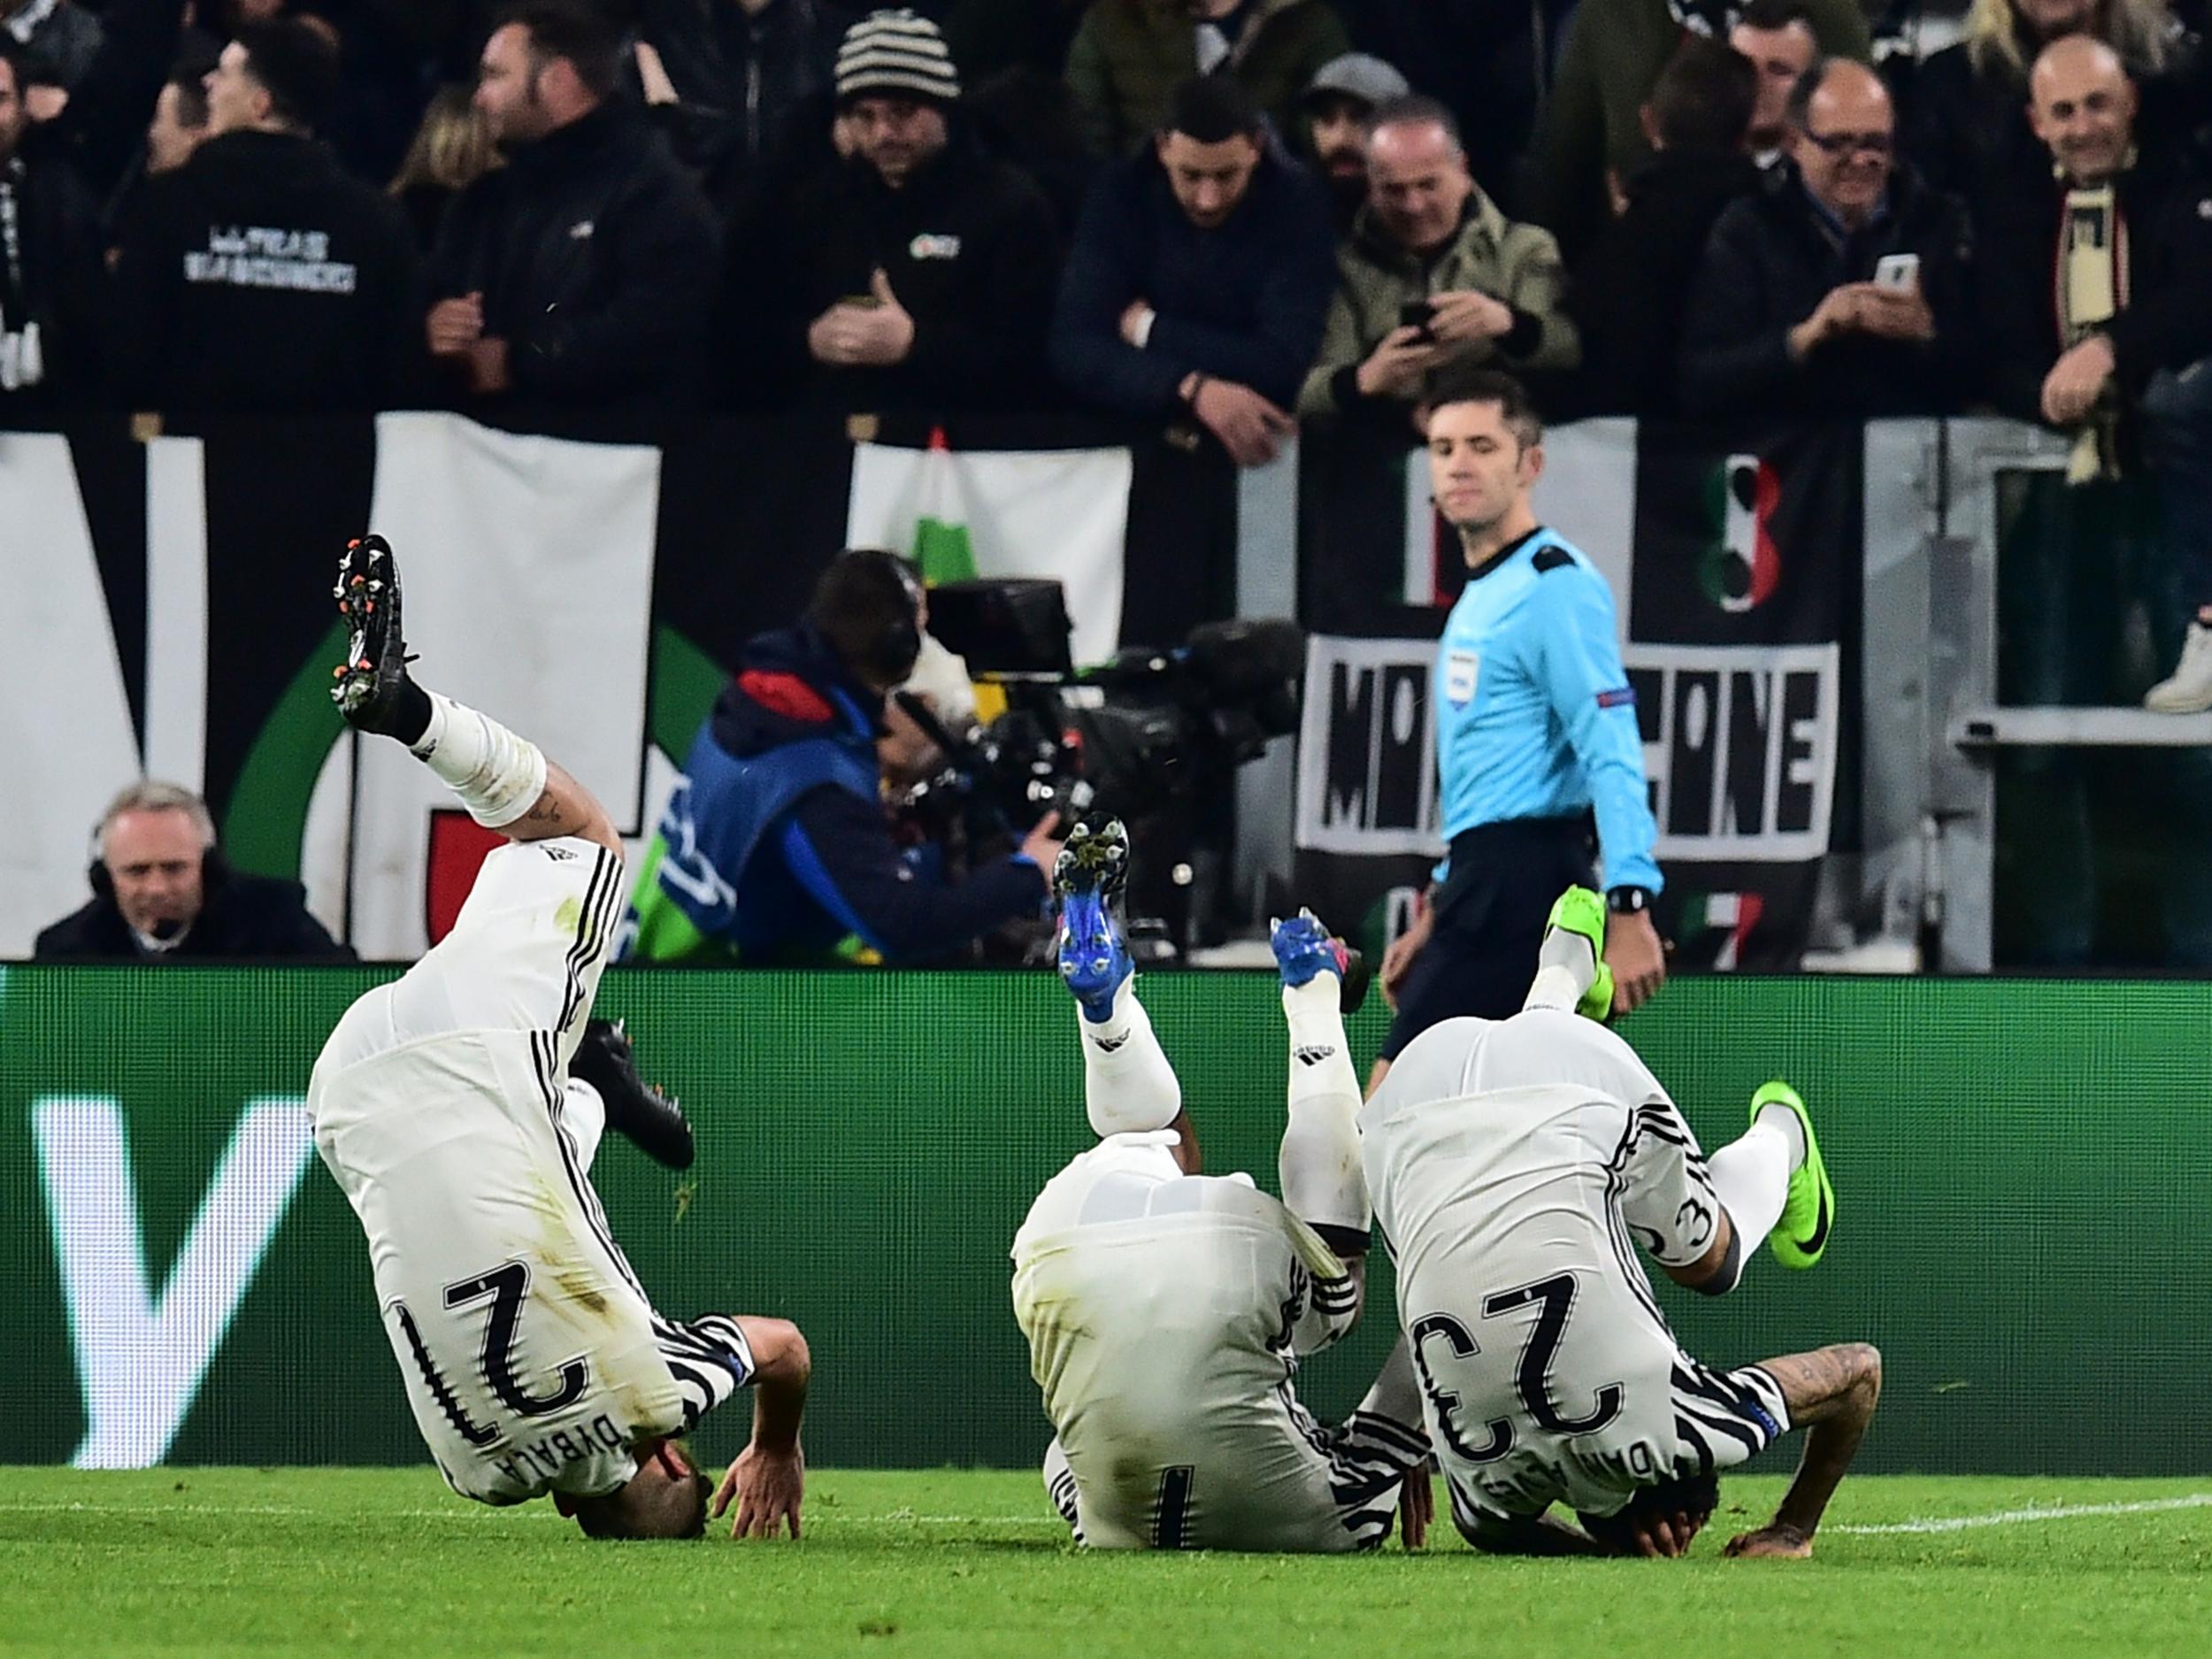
[1460, 669]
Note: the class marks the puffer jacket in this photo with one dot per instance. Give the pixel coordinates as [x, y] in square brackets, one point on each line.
[1515, 263]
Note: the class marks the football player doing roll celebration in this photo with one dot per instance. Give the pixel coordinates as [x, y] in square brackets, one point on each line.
[460, 1106]
[1515, 1165]
[1167, 1310]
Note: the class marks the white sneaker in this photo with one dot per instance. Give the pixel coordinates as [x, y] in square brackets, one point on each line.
[2188, 689]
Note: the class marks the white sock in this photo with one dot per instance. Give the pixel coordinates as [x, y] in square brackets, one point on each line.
[1752, 1176]
[498, 775]
[1792, 1128]
[1127, 1082]
[584, 1115]
[1319, 1164]
[1566, 970]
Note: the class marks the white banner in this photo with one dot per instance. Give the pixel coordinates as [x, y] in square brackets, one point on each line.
[528, 580]
[66, 741]
[1742, 764]
[1062, 514]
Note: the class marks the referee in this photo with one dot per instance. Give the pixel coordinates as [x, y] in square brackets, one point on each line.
[1536, 741]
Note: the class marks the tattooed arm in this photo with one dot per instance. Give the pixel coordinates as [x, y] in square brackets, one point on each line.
[566, 808]
[1830, 1393]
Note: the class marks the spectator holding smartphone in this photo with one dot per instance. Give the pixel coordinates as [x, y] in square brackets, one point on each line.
[1786, 316]
[1434, 280]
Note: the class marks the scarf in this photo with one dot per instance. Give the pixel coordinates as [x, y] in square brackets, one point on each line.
[1219, 38]
[2091, 286]
[25, 23]
[22, 360]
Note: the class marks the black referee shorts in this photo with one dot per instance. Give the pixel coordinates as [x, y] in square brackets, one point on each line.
[1490, 916]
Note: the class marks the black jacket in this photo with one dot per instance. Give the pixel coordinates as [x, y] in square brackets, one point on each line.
[260, 277]
[1631, 289]
[970, 252]
[1772, 258]
[742, 79]
[1244, 301]
[2167, 321]
[245, 918]
[1966, 126]
[55, 281]
[103, 129]
[595, 256]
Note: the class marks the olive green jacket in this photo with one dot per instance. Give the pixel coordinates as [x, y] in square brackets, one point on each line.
[1129, 57]
[1608, 65]
[1376, 277]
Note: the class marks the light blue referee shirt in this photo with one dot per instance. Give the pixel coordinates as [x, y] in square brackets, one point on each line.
[1534, 716]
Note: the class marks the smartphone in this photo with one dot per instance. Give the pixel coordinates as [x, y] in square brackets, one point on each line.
[1898, 273]
[1416, 314]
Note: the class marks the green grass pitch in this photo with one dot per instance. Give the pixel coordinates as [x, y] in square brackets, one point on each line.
[191, 1561]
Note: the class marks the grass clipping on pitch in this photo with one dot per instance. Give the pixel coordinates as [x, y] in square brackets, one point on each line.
[372, 1562]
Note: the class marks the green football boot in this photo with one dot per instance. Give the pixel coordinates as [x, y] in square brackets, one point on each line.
[1802, 1235]
[1579, 914]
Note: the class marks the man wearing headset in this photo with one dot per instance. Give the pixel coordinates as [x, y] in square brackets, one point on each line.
[161, 892]
[776, 849]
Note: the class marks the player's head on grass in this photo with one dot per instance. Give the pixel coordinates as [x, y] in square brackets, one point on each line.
[1665, 1506]
[666, 1498]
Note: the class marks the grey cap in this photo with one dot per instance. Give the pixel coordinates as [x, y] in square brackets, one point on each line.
[1359, 75]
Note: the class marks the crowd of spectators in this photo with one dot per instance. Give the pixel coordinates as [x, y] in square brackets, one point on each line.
[1233, 216]
[1236, 214]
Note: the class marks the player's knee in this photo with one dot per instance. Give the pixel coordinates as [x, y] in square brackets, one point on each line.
[1720, 1270]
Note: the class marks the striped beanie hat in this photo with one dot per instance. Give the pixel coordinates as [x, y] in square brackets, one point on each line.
[895, 52]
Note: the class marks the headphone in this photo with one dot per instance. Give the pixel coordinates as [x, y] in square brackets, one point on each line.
[900, 638]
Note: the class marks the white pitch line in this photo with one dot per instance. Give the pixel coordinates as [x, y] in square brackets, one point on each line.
[831, 1518]
[1945, 1524]
[2016, 1518]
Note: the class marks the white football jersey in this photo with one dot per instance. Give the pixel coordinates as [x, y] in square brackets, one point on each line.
[1165, 1315]
[1514, 1165]
[533, 1361]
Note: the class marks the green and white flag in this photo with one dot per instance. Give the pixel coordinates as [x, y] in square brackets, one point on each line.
[1058, 513]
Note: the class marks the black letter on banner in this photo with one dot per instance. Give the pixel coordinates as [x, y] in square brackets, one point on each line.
[1351, 737]
[1801, 705]
[1691, 759]
[1749, 690]
[1403, 760]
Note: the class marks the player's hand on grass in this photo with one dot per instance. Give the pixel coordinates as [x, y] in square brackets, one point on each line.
[766, 1486]
[1666, 1536]
[1417, 1508]
[1777, 1541]
[1639, 962]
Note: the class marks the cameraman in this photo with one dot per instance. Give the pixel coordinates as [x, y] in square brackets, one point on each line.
[161, 892]
[777, 848]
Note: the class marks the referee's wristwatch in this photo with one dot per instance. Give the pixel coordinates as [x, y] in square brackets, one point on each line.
[1628, 901]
